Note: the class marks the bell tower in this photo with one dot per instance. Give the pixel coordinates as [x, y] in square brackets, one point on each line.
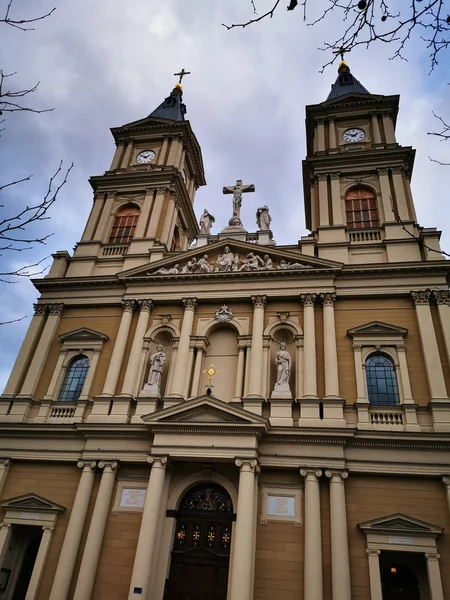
[143, 205]
[356, 176]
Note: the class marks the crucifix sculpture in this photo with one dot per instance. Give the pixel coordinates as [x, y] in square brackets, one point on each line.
[181, 74]
[237, 190]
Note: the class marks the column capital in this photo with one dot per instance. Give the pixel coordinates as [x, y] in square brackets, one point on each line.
[48, 528]
[112, 465]
[328, 298]
[40, 310]
[259, 301]
[56, 309]
[421, 297]
[373, 551]
[247, 464]
[5, 463]
[86, 464]
[128, 305]
[158, 462]
[400, 347]
[305, 471]
[446, 482]
[383, 171]
[308, 299]
[322, 176]
[432, 556]
[336, 473]
[335, 176]
[145, 305]
[357, 348]
[190, 303]
[396, 170]
[442, 297]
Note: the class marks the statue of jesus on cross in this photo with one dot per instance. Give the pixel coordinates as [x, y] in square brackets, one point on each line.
[237, 190]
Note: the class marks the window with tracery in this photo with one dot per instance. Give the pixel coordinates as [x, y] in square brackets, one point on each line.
[361, 208]
[381, 380]
[74, 379]
[204, 520]
[124, 225]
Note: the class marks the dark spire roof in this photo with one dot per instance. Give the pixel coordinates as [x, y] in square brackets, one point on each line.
[172, 108]
[345, 84]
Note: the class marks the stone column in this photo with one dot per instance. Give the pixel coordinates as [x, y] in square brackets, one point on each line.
[102, 230]
[400, 195]
[180, 375]
[71, 544]
[127, 157]
[442, 298]
[340, 561]
[430, 349]
[197, 370]
[320, 134]
[375, 128]
[97, 209]
[329, 346]
[360, 378]
[434, 576]
[117, 156]
[404, 375]
[189, 364]
[256, 360]
[241, 584]
[171, 204]
[5, 463]
[144, 561]
[129, 382]
[155, 217]
[141, 226]
[42, 349]
[94, 541]
[5, 536]
[376, 592]
[25, 352]
[309, 329]
[332, 133]
[446, 482]
[388, 128]
[299, 368]
[324, 218]
[336, 204]
[313, 536]
[109, 387]
[240, 372]
[386, 195]
[86, 389]
[36, 575]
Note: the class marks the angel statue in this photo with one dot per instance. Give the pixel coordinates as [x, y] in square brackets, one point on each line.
[206, 221]
[263, 218]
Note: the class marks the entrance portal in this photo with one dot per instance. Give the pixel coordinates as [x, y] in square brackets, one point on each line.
[399, 582]
[201, 547]
[19, 560]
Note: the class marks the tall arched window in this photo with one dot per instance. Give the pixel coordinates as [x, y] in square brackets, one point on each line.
[124, 225]
[381, 379]
[361, 208]
[74, 379]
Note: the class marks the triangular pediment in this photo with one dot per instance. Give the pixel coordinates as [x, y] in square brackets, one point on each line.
[203, 411]
[83, 334]
[377, 328]
[32, 502]
[205, 261]
[400, 524]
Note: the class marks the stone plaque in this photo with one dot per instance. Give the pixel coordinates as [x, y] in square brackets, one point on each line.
[30, 516]
[401, 539]
[132, 498]
[281, 506]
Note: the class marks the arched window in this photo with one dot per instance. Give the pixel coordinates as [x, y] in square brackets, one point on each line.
[361, 208]
[74, 379]
[381, 379]
[124, 225]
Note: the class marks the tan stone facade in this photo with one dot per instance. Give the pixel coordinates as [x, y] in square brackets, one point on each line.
[311, 463]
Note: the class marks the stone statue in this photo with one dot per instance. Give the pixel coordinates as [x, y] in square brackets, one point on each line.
[172, 271]
[252, 263]
[226, 261]
[284, 264]
[206, 221]
[190, 266]
[263, 218]
[153, 385]
[268, 263]
[237, 190]
[203, 265]
[283, 365]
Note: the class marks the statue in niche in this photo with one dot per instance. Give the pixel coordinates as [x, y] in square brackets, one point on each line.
[268, 262]
[190, 266]
[263, 218]
[203, 265]
[252, 263]
[153, 385]
[283, 365]
[172, 271]
[226, 261]
[206, 222]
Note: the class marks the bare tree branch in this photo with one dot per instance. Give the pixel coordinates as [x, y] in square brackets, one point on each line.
[269, 13]
[7, 19]
[13, 321]
[418, 239]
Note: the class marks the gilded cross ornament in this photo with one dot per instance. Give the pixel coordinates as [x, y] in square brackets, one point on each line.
[210, 372]
[181, 74]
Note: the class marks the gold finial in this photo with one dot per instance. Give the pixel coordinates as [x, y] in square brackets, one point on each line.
[210, 372]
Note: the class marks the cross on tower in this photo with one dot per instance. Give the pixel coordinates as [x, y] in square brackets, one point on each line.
[341, 51]
[237, 191]
[181, 74]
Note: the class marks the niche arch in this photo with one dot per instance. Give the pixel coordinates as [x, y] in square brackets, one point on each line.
[289, 332]
[222, 342]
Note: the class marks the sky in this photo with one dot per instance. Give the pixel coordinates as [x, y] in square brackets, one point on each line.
[106, 63]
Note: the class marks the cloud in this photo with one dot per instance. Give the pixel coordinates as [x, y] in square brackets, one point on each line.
[107, 63]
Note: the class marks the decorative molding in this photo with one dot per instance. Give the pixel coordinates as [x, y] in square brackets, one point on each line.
[335, 176]
[190, 303]
[421, 297]
[224, 314]
[441, 297]
[383, 171]
[396, 170]
[40, 310]
[259, 301]
[145, 305]
[322, 176]
[56, 309]
[128, 305]
[328, 298]
[308, 299]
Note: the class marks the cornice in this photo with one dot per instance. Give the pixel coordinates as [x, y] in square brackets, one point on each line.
[380, 158]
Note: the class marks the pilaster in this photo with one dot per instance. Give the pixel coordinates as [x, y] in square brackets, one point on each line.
[313, 573]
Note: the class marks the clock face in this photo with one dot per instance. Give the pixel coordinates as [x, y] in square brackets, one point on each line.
[354, 135]
[145, 156]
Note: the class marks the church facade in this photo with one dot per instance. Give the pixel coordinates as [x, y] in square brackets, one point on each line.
[211, 415]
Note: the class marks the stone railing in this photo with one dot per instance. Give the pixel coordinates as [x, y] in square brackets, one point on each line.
[365, 236]
[387, 417]
[63, 412]
[115, 250]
